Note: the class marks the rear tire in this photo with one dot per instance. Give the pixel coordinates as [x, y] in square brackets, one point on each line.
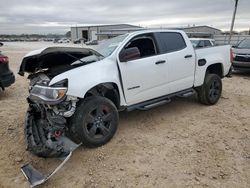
[211, 90]
[94, 122]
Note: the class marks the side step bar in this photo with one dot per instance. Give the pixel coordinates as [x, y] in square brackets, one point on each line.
[187, 94]
[160, 100]
[159, 103]
[35, 177]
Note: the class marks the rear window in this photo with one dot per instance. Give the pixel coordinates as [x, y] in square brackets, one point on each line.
[171, 41]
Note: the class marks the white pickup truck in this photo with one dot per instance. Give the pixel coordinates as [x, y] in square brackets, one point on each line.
[76, 93]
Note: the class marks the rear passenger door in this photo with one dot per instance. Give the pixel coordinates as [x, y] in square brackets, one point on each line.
[180, 58]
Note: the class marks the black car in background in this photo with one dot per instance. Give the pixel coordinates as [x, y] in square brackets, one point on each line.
[241, 55]
[6, 75]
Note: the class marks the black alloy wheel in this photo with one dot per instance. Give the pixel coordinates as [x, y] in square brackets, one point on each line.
[98, 122]
[94, 122]
[211, 90]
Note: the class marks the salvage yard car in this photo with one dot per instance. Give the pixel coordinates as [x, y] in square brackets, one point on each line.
[241, 55]
[79, 91]
[6, 75]
[76, 93]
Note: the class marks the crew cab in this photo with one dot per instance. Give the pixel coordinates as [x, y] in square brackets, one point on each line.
[77, 92]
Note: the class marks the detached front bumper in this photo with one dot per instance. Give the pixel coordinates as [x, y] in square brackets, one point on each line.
[7, 79]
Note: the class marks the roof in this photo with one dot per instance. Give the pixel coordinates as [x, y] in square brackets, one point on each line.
[105, 25]
[143, 31]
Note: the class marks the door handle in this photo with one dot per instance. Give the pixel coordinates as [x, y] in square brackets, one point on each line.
[188, 56]
[160, 62]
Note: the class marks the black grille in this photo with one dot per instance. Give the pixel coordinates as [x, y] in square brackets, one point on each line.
[243, 59]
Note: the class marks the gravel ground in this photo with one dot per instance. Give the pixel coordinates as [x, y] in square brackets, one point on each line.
[182, 144]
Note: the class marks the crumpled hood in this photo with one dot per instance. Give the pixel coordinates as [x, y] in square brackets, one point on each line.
[46, 58]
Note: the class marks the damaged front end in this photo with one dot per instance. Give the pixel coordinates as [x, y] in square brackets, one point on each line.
[46, 119]
[50, 108]
[46, 124]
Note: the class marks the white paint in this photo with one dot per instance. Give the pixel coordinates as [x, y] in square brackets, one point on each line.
[175, 75]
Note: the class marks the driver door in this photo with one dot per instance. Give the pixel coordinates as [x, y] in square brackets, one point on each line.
[144, 77]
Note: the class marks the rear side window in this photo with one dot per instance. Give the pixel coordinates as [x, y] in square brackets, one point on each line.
[171, 41]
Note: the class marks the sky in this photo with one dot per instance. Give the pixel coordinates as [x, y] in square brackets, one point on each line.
[57, 16]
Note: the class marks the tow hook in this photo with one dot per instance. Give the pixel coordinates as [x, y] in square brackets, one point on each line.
[35, 177]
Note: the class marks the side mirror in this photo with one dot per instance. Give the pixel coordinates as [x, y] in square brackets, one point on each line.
[129, 54]
[234, 46]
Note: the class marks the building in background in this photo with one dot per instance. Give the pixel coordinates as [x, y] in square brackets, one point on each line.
[101, 32]
[202, 31]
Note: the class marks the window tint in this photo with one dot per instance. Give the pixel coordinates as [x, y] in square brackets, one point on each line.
[208, 43]
[171, 41]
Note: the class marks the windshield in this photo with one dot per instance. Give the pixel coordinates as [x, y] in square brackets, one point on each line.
[244, 44]
[107, 47]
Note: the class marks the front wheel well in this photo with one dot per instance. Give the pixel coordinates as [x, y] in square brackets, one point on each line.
[215, 69]
[107, 90]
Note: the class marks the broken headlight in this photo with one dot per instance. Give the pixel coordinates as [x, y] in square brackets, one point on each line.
[49, 94]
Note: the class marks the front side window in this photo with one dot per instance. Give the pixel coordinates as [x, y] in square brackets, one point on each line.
[139, 47]
[145, 45]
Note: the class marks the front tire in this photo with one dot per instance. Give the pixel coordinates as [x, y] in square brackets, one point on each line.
[94, 122]
[211, 90]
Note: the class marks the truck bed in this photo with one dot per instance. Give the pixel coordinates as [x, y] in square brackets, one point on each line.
[212, 55]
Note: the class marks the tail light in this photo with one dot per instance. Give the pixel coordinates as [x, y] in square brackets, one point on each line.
[231, 55]
[4, 59]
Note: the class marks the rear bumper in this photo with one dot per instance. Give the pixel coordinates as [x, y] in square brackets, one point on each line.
[7, 79]
[239, 65]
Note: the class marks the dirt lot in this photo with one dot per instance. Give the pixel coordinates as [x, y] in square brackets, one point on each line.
[182, 144]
